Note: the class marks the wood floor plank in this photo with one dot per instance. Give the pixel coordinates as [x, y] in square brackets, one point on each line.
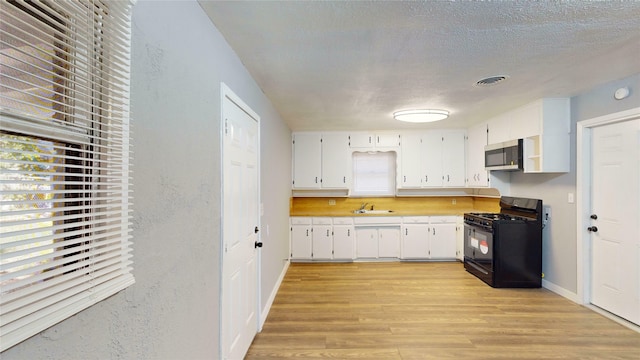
[402, 311]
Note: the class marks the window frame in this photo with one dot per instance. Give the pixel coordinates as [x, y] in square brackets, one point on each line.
[374, 173]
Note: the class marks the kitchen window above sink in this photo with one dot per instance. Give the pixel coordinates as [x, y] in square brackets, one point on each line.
[374, 173]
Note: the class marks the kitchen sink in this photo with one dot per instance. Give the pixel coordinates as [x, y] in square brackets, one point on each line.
[373, 211]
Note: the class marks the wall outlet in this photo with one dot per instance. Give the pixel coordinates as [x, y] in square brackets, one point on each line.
[332, 202]
[453, 201]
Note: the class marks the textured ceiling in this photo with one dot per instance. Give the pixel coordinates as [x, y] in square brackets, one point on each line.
[348, 65]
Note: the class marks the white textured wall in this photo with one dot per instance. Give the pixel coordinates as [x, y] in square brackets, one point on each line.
[560, 240]
[172, 312]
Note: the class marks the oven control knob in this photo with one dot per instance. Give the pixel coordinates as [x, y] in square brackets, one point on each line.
[594, 217]
[592, 229]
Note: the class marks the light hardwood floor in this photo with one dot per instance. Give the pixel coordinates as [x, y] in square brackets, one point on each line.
[428, 311]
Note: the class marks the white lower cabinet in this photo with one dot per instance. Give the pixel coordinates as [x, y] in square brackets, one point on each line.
[301, 233]
[429, 237]
[344, 235]
[347, 238]
[389, 242]
[366, 243]
[442, 241]
[460, 238]
[322, 239]
[415, 238]
[378, 242]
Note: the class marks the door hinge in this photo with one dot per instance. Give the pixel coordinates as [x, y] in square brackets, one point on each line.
[226, 126]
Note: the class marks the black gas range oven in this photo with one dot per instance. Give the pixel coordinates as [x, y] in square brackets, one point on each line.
[505, 249]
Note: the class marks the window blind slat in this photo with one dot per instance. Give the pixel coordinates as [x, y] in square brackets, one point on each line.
[84, 262]
[55, 276]
[63, 290]
[50, 315]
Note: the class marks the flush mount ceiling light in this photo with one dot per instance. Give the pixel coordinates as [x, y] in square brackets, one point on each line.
[420, 116]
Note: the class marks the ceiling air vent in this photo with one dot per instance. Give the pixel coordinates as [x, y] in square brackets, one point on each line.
[492, 80]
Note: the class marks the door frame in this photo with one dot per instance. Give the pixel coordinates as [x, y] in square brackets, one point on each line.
[226, 92]
[583, 195]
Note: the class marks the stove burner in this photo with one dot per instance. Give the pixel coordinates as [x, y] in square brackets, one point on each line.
[498, 216]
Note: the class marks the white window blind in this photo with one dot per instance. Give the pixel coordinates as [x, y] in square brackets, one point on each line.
[64, 180]
[374, 173]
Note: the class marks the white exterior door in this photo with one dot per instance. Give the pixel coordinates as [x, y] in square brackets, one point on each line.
[614, 224]
[239, 227]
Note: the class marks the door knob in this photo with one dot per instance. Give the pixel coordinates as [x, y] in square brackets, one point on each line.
[257, 244]
[594, 216]
[592, 229]
[256, 230]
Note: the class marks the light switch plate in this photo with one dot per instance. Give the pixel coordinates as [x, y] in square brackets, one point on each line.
[570, 198]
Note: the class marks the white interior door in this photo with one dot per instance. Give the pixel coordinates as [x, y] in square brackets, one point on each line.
[240, 223]
[615, 217]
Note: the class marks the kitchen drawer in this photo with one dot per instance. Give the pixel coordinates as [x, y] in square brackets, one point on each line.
[300, 220]
[415, 220]
[442, 219]
[377, 220]
[342, 221]
[322, 221]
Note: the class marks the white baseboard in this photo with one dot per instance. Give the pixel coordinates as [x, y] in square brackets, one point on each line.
[560, 291]
[267, 307]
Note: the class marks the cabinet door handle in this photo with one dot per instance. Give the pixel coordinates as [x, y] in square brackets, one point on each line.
[434, 231]
[369, 139]
[405, 178]
[348, 232]
[316, 179]
[344, 179]
[327, 232]
[307, 232]
[406, 231]
[447, 178]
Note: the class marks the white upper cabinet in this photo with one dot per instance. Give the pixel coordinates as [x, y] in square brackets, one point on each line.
[477, 176]
[307, 160]
[433, 159]
[372, 141]
[411, 161]
[321, 161]
[453, 166]
[336, 161]
[544, 127]
[546, 148]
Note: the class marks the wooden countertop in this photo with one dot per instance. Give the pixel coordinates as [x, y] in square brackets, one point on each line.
[413, 206]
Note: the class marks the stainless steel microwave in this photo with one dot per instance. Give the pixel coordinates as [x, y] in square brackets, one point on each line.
[504, 156]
